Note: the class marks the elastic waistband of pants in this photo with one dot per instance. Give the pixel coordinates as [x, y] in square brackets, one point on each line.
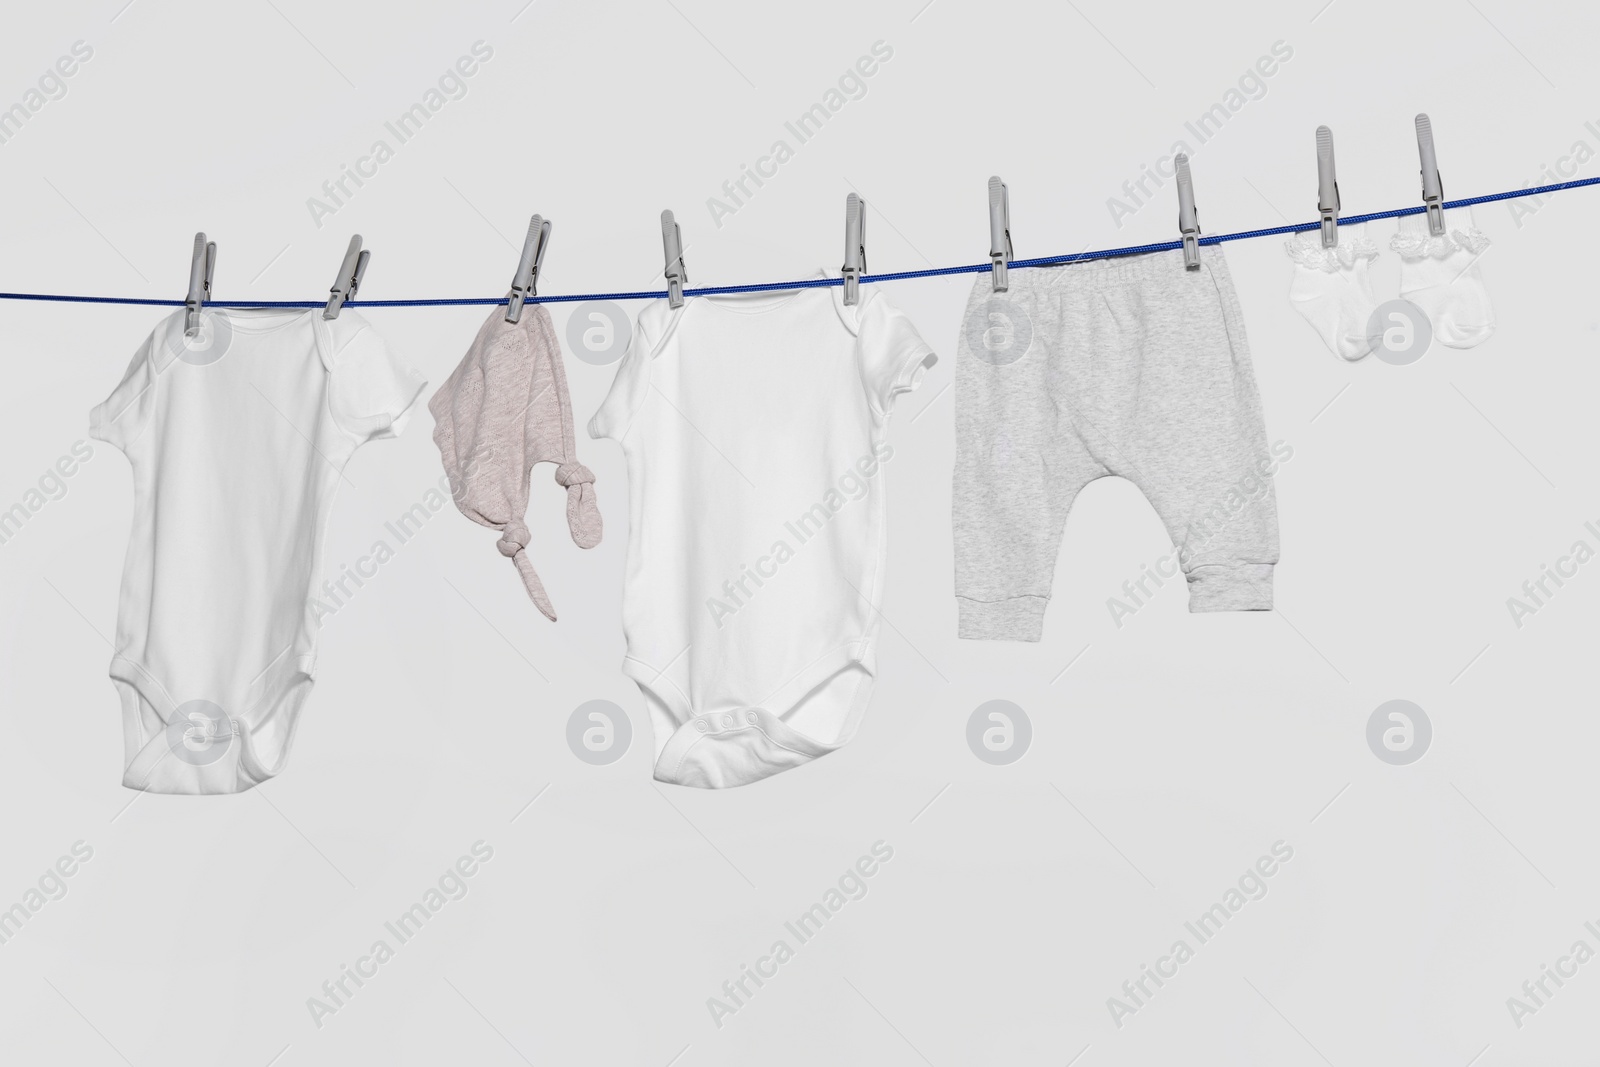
[1115, 270]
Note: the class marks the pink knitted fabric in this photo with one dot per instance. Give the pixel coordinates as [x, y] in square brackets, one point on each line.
[504, 409]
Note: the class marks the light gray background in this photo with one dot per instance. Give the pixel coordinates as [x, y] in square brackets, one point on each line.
[1167, 755]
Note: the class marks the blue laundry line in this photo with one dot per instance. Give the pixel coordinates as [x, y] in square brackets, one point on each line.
[819, 283]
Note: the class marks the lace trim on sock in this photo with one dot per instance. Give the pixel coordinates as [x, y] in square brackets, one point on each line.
[1415, 244]
[1306, 249]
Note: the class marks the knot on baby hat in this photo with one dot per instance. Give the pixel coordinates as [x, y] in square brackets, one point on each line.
[513, 539]
[570, 474]
[583, 512]
[504, 409]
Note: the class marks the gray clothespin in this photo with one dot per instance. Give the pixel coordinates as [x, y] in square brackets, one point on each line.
[1000, 251]
[1188, 218]
[1432, 184]
[672, 246]
[351, 271]
[1327, 188]
[855, 247]
[526, 281]
[201, 268]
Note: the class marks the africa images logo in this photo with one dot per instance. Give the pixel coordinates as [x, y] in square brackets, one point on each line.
[200, 733]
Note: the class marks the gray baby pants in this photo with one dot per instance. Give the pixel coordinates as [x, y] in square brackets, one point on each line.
[1130, 366]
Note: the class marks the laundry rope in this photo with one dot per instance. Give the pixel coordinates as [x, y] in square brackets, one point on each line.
[819, 283]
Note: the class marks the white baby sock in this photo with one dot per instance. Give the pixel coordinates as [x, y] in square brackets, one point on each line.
[1440, 276]
[1331, 288]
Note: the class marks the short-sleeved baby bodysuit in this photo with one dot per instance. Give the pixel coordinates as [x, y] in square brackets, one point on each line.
[237, 447]
[755, 430]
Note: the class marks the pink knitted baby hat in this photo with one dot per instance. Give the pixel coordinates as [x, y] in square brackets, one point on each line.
[504, 409]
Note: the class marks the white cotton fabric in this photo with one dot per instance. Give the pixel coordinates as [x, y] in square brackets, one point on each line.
[755, 429]
[1332, 288]
[1440, 275]
[235, 465]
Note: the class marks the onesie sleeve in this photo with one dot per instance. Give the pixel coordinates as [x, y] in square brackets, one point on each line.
[122, 416]
[631, 386]
[372, 393]
[892, 354]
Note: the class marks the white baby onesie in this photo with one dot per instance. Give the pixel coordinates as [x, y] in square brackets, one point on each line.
[755, 431]
[237, 445]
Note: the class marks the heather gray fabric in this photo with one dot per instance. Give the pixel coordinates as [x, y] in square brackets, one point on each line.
[504, 409]
[1129, 366]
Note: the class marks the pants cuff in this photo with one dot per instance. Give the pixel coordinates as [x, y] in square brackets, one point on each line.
[1017, 619]
[1231, 587]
